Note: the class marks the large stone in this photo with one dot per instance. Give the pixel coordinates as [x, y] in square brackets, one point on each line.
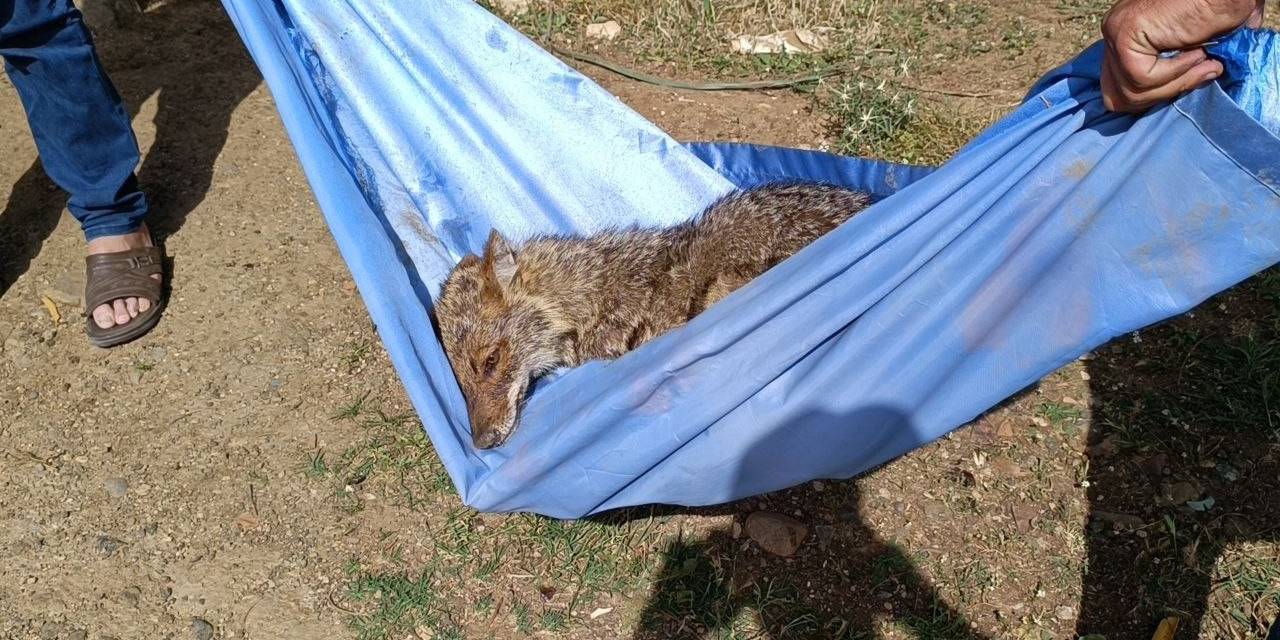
[604, 30]
[778, 534]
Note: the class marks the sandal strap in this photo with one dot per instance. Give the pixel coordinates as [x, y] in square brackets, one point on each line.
[123, 274]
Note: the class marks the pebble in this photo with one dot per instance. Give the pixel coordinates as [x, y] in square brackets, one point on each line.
[51, 631]
[776, 533]
[512, 7]
[116, 487]
[1065, 613]
[68, 288]
[155, 355]
[201, 629]
[17, 352]
[131, 596]
[1180, 492]
[607, 30]
[107, 546]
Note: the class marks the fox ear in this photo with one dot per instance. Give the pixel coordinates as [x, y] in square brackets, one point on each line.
[499, 266]
[469, 261]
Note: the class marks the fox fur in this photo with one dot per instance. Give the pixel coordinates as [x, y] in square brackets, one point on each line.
[515, 314]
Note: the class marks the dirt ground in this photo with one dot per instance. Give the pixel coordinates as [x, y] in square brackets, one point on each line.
[252, 469]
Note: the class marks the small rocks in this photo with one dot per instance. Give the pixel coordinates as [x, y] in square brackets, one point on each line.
[154, 355]
[1180, 492]
[1104, 449]
[936, 509]
[51, 631]
[1006, 467]
[1065, 613]
[247, 521]
[1025, 516]
[68, 288]
[131, 596]
[825, 533]
[1119, 520]
[17, 352]
[776, 533]
[57, 631]
[108, 546]
[604, 30]
[511, 7]
[1154, 465]
[116, 487]
[201, 629]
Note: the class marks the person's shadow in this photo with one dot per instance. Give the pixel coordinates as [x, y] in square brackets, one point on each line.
[844, 582]
[1184, 473]
[186, 54]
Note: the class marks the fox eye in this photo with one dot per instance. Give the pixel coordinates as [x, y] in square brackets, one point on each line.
[491, 363]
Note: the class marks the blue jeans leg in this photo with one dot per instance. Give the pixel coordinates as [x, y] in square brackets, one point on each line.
[79, 123]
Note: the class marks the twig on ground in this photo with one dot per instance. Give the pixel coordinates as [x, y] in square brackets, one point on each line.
[751, 85]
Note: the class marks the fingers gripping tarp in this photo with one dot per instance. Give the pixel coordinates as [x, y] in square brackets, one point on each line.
[421, 125]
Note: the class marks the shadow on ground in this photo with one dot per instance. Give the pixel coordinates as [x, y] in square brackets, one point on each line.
[189, 57]
[845, 582]
[1185, 472]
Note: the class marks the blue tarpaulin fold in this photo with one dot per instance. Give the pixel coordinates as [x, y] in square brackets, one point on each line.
[422, 125]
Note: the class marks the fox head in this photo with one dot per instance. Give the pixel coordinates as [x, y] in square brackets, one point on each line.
[498, 338]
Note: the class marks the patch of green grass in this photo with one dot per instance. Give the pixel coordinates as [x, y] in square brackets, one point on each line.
[889, 566]
[353, 409]
[1058, 413]
[1090, 12]
[553, 621]
[394, 445]
[1018, 36]
[593, 556]
[871, 116]
[1249, 586]
[972, 581]
[396, 604]
[695, 590]
[484, 606]
[316, 467]
[956, 15]
[459, 537]
[523, 618]
[940, 626]
[356, 354]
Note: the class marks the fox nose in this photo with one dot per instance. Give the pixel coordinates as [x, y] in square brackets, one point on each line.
[486, 439]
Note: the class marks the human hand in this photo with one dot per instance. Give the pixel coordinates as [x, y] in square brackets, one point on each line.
[1134, 76]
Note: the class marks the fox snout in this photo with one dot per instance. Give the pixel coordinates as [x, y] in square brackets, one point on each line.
[491, 422]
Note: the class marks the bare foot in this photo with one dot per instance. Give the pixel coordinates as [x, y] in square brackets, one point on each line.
[122, 310]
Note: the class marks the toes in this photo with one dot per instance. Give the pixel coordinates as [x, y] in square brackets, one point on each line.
[143, 305]
[131, 305]
[102, 316]
[122, 314]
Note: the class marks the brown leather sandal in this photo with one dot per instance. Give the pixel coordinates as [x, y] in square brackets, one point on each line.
[123, 274]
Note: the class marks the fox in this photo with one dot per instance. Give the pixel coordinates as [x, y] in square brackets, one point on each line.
[515, 314]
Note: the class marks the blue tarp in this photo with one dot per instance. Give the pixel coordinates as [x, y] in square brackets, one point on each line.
[421, 125]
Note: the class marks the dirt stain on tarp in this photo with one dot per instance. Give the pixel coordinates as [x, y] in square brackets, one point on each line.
[1078, 169]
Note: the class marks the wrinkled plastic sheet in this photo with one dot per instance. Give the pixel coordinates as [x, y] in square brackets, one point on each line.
[422, 125]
